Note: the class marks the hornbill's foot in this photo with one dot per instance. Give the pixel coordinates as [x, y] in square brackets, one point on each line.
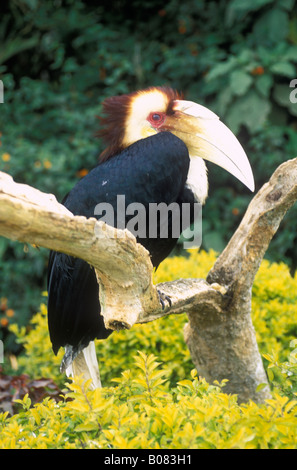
[164, 298]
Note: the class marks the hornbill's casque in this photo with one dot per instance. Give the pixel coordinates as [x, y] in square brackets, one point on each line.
[156, 144]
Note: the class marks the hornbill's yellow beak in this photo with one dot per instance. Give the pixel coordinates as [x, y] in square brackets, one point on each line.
[207, 137]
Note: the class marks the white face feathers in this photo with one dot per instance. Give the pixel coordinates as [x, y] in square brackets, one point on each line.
[141, 105]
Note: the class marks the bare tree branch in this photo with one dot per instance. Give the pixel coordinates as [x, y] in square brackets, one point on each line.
[224, 346]
[239, 262]
[220, 334]
[122, 265]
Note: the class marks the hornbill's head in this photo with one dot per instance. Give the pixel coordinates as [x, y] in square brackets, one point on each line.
[129, 118]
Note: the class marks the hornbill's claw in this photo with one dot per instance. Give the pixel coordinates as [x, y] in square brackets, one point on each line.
[163, 297]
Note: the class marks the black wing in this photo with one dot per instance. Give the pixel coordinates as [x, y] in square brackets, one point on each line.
[151, 170]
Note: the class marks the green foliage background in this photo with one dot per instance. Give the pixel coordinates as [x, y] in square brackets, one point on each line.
[60, 58]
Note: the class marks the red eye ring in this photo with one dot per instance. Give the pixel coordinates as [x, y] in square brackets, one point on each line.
[156, 119]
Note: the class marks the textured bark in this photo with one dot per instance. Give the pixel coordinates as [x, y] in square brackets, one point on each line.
[220, 334]
[122, 265]
[224, 346]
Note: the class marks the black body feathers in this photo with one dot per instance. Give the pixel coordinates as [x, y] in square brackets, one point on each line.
[151, 170]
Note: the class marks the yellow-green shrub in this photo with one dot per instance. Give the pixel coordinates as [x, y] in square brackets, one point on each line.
[274, 308]
[140, 413]
[136, 409]
[38, 360]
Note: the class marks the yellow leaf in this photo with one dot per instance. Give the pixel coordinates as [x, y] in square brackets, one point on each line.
[86, 427]
[79, 406]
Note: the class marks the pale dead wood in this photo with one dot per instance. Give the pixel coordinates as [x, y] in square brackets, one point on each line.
[122, 265]
[224, 346]
[220, 333]
[239, 262]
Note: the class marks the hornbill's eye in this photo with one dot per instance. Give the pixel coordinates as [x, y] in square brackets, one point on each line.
[156, 119]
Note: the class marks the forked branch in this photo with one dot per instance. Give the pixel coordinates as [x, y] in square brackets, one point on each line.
[220, 333]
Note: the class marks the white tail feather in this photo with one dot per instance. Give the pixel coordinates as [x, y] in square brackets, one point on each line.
[86, 363]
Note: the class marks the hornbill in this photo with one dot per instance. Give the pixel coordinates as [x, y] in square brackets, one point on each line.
[156, 144]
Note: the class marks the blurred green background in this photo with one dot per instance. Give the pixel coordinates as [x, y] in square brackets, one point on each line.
[60, 59]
